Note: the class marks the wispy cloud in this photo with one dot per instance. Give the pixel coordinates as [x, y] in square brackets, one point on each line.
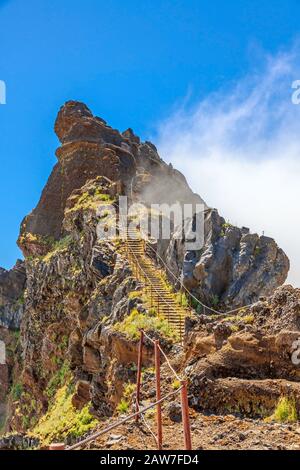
[240, 150]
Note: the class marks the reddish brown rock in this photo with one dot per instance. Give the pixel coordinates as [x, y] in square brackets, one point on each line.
[12, 285]
[82, 394]
[4, 382]
[249, 370]
[79, 288]
[89, 149]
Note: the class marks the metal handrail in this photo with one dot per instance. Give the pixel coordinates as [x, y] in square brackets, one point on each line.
[166, 358]
[109, 428]
[177, 279]
[153, 287]
[157, 293]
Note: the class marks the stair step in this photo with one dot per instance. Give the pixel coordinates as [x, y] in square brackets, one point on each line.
[163, 299]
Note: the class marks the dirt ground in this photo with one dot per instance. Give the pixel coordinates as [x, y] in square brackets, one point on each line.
[208, 433]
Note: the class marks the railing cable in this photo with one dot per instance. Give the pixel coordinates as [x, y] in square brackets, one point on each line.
[119, 423]
[165, 356]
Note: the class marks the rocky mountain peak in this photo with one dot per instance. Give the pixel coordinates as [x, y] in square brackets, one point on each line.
[79, 300]
[91, 148]
[69, 114]
[75, 122]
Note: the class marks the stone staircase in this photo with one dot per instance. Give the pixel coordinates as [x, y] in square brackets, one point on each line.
[145, 270]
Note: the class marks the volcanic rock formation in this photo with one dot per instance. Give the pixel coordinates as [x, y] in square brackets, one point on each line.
[12, 285]
[79, 300]
[233, 266]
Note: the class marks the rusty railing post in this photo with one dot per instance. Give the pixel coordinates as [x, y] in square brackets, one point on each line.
[185, 416]
[139, 374]
[158, 394]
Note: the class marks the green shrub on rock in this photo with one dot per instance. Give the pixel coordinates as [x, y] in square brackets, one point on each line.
[63, 420]
[136, 321]
[285, 411]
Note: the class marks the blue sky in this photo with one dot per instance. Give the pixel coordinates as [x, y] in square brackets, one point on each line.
[132, 62]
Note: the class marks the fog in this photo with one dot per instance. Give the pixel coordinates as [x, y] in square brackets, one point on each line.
[239, 148]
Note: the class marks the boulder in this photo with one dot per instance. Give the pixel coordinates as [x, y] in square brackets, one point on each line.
[174, 412]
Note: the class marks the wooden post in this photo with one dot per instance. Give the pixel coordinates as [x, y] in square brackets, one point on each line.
[139, 374]
[158, 394]
[185, 416]
[57, 446]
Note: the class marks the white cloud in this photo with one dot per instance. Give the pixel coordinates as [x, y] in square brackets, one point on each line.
[240, 150]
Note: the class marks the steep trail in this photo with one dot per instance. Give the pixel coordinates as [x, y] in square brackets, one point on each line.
[161, 298]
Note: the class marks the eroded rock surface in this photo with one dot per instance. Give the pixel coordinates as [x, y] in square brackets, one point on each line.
[246, 362]
[12, 285]
[91, 148]
[79, 287]
[233, 268]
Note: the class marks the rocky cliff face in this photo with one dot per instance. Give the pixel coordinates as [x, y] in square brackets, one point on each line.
[75, 293]
[233, 268]
[254, 355]
[12, 285]
[80, 291]
[91, 148]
